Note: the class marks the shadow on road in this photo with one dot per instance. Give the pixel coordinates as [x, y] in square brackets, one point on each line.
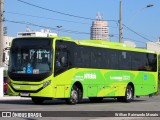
[62, 102]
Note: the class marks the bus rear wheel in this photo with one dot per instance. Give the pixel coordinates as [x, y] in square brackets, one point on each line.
[129, 95]
[74, 96]
[37, 100]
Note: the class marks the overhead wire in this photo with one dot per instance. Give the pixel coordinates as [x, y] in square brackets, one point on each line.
[71, 15]
[137, 33]
[51, 28]
[62, 13]
[35, 16]
[140, 35]
[64, 30]
[68, 31]
[32, 24]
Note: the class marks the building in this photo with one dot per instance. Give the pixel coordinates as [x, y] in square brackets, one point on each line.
[154, 46]
[130, 43]
[99, 29]
[42, 33]
[6, 44]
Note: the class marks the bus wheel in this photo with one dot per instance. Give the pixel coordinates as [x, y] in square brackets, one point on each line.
[37, 100]
[96, 99]
[129, 94]
[73, 96]
[80, 95]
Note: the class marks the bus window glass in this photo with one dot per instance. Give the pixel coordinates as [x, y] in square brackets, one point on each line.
[124, 60]
[151, 62]
[31, 56]
[30, 61]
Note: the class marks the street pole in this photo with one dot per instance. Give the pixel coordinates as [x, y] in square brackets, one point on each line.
[1, 47]
[120, 22]
[58, 29]
[1, 31]
[138, 12]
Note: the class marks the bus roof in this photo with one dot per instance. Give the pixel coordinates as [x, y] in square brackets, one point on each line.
[102, 44]
[108, 44]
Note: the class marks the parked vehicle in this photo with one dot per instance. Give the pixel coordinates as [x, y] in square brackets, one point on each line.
[5, 85]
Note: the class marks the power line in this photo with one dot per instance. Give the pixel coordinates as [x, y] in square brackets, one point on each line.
[62, 13]
[64, 30]
[141, 36]
[51, 28]
[44, 17]
[137, 33]
[68, 31]
[149, 36]
[32, 24]
[71, 15]
[35, 16]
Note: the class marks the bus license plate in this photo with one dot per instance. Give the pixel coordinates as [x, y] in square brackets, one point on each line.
[24, 94]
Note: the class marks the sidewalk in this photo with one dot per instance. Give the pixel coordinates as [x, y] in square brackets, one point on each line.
[6, 97]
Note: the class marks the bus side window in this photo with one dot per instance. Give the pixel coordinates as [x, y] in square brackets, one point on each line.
[61, 59]
[151, 62]
[154, 62]
[64, 59]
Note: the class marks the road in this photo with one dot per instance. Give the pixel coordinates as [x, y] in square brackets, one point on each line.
[144, 105]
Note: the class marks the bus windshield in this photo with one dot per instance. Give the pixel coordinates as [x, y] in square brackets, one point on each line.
[30, 56]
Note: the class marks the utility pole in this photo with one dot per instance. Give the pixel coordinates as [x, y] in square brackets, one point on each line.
[120, 22]
[1, 31]
[58, 29]
[1, 47]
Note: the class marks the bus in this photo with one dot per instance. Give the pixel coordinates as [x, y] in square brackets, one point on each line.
[45, 68]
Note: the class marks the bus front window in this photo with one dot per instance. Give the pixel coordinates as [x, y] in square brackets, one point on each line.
[30, 61]
[30, 56]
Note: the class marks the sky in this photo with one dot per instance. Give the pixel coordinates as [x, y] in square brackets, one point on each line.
[140, 24]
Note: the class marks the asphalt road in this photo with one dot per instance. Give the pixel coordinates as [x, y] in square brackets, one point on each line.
[89, 110]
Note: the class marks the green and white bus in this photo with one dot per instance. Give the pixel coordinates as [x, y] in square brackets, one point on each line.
[57, 67]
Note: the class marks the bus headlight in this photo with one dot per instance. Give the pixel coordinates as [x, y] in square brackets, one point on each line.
[46, 83]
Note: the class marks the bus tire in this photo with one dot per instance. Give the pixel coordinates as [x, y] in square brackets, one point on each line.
[37, 100]
[96, 99]
[74, 96]
[129, 95]
[80, 95]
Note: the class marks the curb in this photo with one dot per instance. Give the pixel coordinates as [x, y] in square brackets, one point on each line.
[14, 98]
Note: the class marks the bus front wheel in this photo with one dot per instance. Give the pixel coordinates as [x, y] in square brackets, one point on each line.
[73, 96]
